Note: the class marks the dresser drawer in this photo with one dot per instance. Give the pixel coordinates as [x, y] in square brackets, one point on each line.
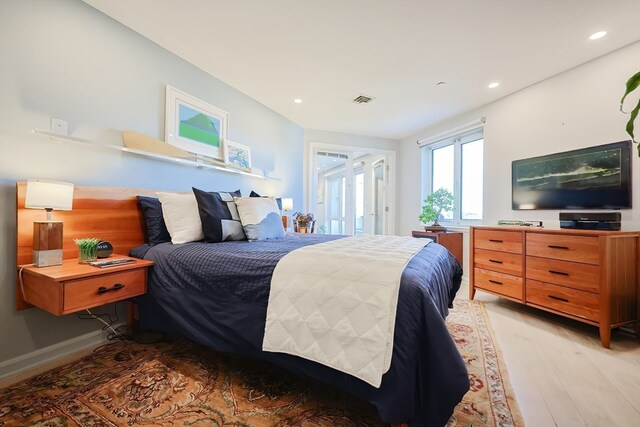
[567, 248]
[498, 240]
[583, 277]
[498, 261]
[500, 283]
[567, 300]
[86, 293]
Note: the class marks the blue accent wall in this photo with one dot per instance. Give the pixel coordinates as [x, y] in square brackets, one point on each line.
[65, 59]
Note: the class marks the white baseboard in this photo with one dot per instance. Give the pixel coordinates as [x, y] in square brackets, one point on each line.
[53, 352]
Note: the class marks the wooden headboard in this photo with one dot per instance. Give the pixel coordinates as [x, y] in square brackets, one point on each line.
[107, 213]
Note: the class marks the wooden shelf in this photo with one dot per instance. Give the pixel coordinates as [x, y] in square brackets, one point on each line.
[185, 162]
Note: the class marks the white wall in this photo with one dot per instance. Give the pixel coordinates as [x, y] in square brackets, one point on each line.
[578, 108]
[67, 60]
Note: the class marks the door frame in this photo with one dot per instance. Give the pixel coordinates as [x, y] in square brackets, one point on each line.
[312, 191]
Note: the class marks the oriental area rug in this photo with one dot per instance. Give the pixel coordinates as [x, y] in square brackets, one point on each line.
[178, 383]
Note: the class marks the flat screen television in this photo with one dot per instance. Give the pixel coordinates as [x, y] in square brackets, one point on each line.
[588, 178]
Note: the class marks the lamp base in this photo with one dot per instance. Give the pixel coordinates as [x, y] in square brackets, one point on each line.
[285, 222]
[47, 243]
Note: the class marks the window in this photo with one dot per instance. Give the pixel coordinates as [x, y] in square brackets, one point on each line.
[456, 163]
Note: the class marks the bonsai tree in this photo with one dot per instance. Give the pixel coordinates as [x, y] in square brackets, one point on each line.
[435, 203]
[632, 84]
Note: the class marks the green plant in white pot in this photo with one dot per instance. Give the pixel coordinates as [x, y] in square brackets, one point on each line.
[437, 202]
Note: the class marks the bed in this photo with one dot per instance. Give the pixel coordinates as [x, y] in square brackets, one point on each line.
[427, 377]
[217, 293]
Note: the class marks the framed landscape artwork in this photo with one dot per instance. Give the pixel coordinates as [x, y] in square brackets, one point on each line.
[237, 155]
[194, 125]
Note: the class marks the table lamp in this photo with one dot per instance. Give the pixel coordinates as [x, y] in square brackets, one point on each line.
[287, 205]
[47, 235]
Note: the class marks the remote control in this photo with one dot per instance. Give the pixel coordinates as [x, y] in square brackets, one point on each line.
[111, 262]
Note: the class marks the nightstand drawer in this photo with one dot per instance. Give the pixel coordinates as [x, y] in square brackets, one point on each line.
[498, 240]
[583, 277]
[567, 300]
[498, 261]
[503, 284]
[568, 248]
[95, 291]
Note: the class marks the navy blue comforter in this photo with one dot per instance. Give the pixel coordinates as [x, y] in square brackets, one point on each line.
[216, 294]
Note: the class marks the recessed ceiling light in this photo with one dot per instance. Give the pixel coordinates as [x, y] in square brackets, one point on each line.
[598, 35]
[298, 101]
[494, 85]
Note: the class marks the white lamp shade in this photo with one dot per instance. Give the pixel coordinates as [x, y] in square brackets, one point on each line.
[287, 204]
[44, 194]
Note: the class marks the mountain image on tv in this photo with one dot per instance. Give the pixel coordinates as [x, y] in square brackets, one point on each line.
[579, 172]
[199, 127]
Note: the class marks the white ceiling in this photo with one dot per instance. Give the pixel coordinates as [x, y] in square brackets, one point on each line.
[328, 52]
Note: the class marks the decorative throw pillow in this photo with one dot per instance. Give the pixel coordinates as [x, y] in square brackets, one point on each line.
[278, 199]
[180, 213]
[155, 229]
[219, 216]
[260, 218]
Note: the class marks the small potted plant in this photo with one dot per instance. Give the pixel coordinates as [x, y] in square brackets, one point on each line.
[303, 222]
[437, 202]
[87, 249]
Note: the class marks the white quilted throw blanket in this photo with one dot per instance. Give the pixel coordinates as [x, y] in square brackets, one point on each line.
[335, 303]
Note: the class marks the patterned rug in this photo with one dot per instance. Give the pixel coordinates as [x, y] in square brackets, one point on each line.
[180, 383]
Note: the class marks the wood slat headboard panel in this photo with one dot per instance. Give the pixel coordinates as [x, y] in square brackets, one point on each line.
[107, 213]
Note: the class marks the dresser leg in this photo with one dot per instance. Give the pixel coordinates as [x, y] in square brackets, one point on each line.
[472, 292]
[605, 335]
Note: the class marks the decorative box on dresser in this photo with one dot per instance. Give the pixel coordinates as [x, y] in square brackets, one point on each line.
[590, 276]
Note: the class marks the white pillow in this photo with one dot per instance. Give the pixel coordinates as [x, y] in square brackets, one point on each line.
[180, 213]
[260, 217]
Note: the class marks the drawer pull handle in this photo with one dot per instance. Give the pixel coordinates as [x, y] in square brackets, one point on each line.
[562, 273]
[558, 247]
[496, 261]
[558, 298]
[495, 241]
[495, 282]
[116, 287]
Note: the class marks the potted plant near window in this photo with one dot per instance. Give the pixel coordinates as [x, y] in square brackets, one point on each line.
[303, 222]
[437, 202]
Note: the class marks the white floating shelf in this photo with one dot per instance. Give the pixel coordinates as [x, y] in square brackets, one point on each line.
[199, 164]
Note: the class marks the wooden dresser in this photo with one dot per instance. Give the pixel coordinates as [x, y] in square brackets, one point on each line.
[590, 276]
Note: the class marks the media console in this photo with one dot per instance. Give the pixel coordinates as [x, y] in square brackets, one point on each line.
[588, 275]
[591, 221]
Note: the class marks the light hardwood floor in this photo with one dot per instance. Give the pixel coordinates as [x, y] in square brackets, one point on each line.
[559, 371]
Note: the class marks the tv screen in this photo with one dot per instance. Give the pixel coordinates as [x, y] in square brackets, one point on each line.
[588, 178]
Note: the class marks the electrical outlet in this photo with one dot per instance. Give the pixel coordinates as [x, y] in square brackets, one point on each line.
[59, 126]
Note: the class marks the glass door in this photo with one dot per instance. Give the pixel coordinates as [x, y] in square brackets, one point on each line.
[348, 190]
[334, 182]
[379, 202]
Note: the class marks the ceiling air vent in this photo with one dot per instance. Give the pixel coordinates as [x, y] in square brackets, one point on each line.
[362, 99]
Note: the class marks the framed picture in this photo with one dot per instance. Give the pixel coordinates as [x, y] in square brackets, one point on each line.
[237, 155]
[193, 125]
